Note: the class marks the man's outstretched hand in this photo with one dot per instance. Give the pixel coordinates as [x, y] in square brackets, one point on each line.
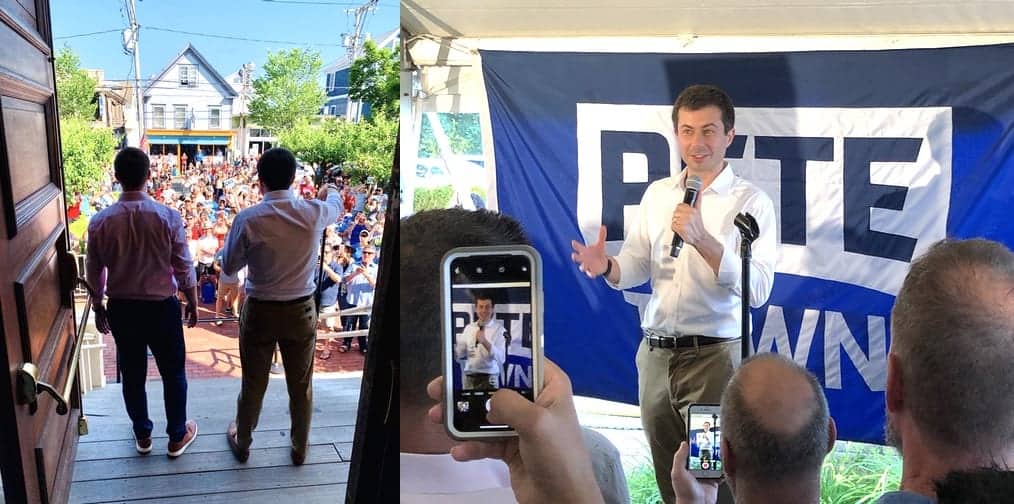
[591, 259]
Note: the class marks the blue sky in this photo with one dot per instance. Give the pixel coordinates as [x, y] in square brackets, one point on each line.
[307, 22]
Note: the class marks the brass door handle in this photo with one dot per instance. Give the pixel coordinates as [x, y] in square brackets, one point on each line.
[29, 387]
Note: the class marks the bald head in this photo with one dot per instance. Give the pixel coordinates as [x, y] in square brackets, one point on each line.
[775, 419]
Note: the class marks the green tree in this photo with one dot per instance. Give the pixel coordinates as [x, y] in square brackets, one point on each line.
[289, 93]
[87, 150]
[75, 90]
[374, 79]
[87, 153]
[462, 130]
[365, 149]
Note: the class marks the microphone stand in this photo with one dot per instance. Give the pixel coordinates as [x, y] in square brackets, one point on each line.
[749, 232]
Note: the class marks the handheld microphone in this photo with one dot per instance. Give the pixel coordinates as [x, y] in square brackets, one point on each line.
[689, 197]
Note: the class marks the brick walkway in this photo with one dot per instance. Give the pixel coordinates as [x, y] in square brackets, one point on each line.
[213, 352]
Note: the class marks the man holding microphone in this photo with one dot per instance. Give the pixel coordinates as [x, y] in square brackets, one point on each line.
[691, 325]
[483, 346]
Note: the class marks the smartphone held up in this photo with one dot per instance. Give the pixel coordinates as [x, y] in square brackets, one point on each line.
[491, 300]
[704, 434]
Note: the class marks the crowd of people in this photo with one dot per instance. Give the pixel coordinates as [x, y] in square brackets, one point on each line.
[209, 192]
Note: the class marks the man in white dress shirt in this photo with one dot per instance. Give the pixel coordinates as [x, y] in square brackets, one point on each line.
[278, 240]
[483, 347]
[691, 325]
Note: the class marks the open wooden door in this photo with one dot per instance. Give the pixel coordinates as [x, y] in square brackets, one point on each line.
[38, 432]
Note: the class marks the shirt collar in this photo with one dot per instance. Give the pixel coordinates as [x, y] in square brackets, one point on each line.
[721, 185]
[283, 194]
[134, 196]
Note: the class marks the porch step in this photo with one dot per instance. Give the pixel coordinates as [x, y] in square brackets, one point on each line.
[108, 469]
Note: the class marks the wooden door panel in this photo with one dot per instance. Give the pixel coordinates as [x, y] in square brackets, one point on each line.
[38, 298]
[22, 10]
[13, 48]
[37, 323]
[25, 131]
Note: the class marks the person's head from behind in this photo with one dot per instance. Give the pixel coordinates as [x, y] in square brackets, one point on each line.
[704, 124]
[425, 238]
[949, 376]
[276, 169]
[483, 301]
[131, 168]
[776, 429]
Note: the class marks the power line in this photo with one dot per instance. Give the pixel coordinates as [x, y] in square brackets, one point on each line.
[89, 34]
[307, 2]
[228, 37]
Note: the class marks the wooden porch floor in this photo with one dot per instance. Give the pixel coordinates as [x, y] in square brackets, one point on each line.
[109, 469]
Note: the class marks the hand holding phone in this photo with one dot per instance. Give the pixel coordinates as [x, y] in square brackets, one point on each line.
[704, 437]
[487, 293]
[549, 441]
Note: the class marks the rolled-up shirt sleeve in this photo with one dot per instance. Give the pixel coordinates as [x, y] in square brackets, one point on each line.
[94, 267]
[763, 257]
[183, 265]
[331, 208]
[634, 258]
[235, 250]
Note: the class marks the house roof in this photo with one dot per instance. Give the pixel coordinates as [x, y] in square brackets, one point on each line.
[200, 58]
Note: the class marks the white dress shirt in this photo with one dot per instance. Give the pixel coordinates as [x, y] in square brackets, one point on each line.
[478, 359]
[278, 240]
[687, 296]
[439, 479]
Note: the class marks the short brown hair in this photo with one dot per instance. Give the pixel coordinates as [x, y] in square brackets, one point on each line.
[952, 328]
[699, 96]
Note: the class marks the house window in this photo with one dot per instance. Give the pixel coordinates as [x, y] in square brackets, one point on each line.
[188, 75]
[179, 116]
[158, 116]
[214, 117]
[330, 83]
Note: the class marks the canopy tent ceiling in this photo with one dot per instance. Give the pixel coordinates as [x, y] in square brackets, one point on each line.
[643, 18]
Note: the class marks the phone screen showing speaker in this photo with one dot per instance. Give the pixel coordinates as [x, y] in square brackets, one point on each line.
[705, 438]
[489, 335]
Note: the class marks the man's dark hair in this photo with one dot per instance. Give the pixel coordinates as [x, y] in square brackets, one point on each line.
[982, 486]
[766, 456]
[425, 238]
[699, 96]
[277, 169]
[951, 327]
[131, 168]
[483, 294]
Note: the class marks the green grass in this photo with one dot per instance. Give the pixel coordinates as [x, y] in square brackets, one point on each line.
[859, 473]
[854, 473]
[642, 486]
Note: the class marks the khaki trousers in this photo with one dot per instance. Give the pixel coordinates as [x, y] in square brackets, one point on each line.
[668, 381]
[293, 328]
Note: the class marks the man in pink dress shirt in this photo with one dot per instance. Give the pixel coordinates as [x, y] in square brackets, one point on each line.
[138, 255]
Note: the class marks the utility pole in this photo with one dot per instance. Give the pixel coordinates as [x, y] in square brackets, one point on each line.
[245, 72]
[130, 36]
[354, 43]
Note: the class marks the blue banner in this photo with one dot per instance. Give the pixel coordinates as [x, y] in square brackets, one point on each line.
[869, 157]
